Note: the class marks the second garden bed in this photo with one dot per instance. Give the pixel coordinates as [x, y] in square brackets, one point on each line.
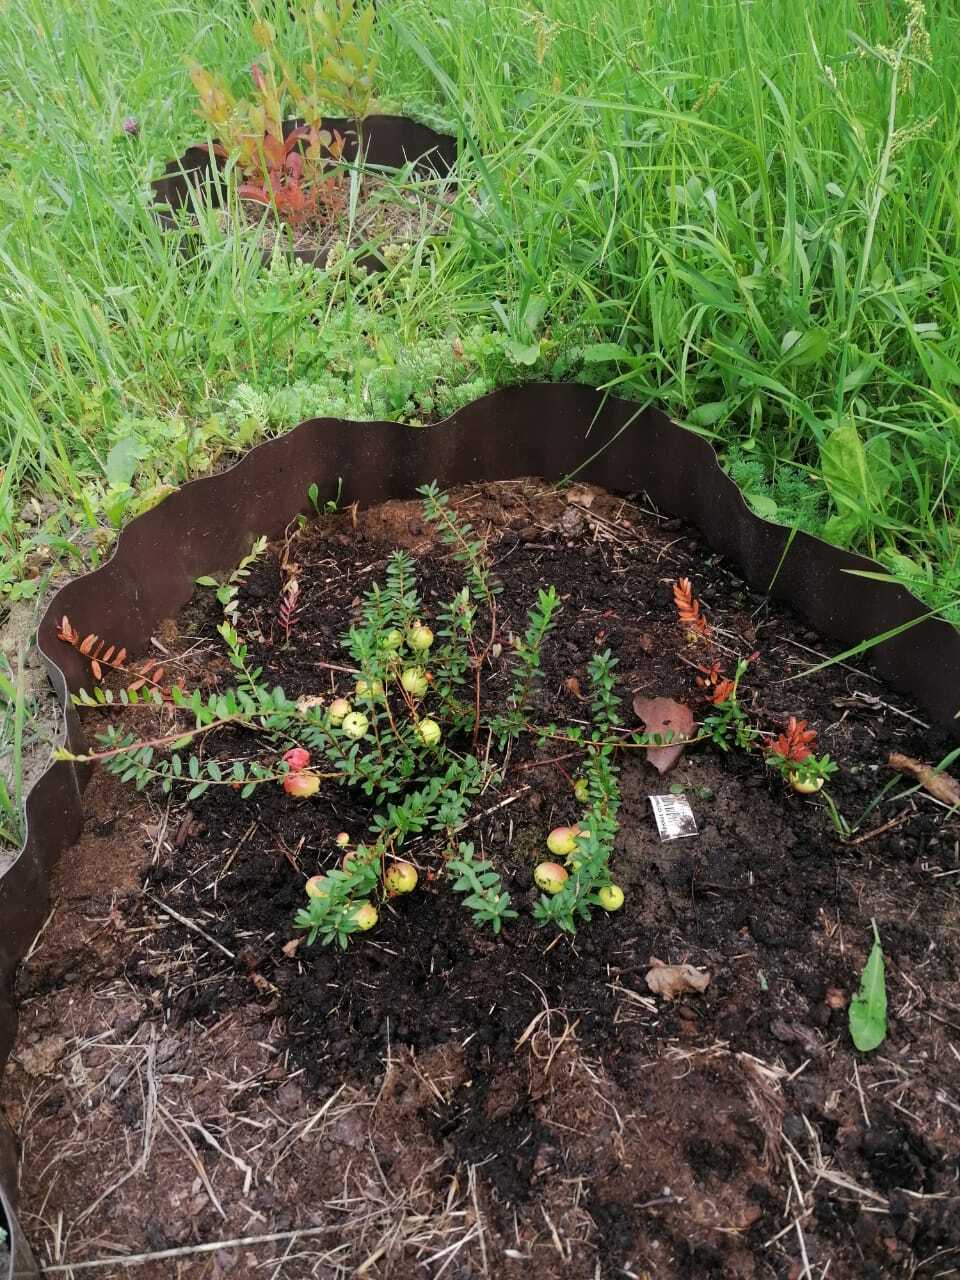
[436, 1100]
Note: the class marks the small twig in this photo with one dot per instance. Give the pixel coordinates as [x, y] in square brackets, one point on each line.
[863, 1101]
[872, 700]
[806, 1272]
[502, 804]
[165, 740]
[137, 1259]
[539, 764]
[190, 924]
[478, 1218]
[878, 831]
[182, 1139]
[817, 654]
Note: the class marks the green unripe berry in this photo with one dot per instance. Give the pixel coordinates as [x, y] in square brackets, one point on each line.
[314, 887]
[369, 688]
[415, 682]
[338, 709]
[364, 916]
[355, 725]
[610, 897]
[400, 877]
[562, 841]
[419, 637]
[805, 786]
[429, 733]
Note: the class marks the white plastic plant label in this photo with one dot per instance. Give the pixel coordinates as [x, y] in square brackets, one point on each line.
[674, 817]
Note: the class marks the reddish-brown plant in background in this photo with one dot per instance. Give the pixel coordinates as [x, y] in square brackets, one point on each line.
[688, 611]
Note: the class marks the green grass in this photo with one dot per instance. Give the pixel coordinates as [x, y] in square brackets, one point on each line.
[739, 210]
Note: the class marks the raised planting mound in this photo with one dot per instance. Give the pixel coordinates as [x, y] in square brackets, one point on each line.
[475, 1076]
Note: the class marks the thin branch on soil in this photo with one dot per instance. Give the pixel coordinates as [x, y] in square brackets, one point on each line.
[863, 1101]
[190, 924]
[182, 1139]
[872, 700]
[478, 1216]
[502, 804]
[826, 657]
[879, 831]
[187, 1251]
[542, 764]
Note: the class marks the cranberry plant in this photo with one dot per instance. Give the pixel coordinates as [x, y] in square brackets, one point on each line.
[296, 173]
[419, 732]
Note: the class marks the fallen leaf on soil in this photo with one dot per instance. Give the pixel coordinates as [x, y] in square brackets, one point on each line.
[664, 716]
[41, 1058]
[582, 497]
[940, 785]
[672, 980]
[572, 686]
[289, 949]
[796, 1033]
[308, 701]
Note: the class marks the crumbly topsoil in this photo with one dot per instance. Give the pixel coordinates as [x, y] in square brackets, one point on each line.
[437, 1102]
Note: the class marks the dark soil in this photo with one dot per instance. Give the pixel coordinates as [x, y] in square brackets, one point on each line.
[435, 1101]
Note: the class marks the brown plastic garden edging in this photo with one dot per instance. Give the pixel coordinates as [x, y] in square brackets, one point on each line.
[543, 430]
[389, 142]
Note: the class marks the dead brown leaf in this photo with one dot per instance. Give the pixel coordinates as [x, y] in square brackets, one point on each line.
[940, 785]
[580, 495]
[666, 717]
[572, 686]
[41, 1058]
[673, 980]
[263, 985]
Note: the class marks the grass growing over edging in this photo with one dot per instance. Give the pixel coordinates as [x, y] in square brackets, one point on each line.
[757, 217]
[703, 202]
